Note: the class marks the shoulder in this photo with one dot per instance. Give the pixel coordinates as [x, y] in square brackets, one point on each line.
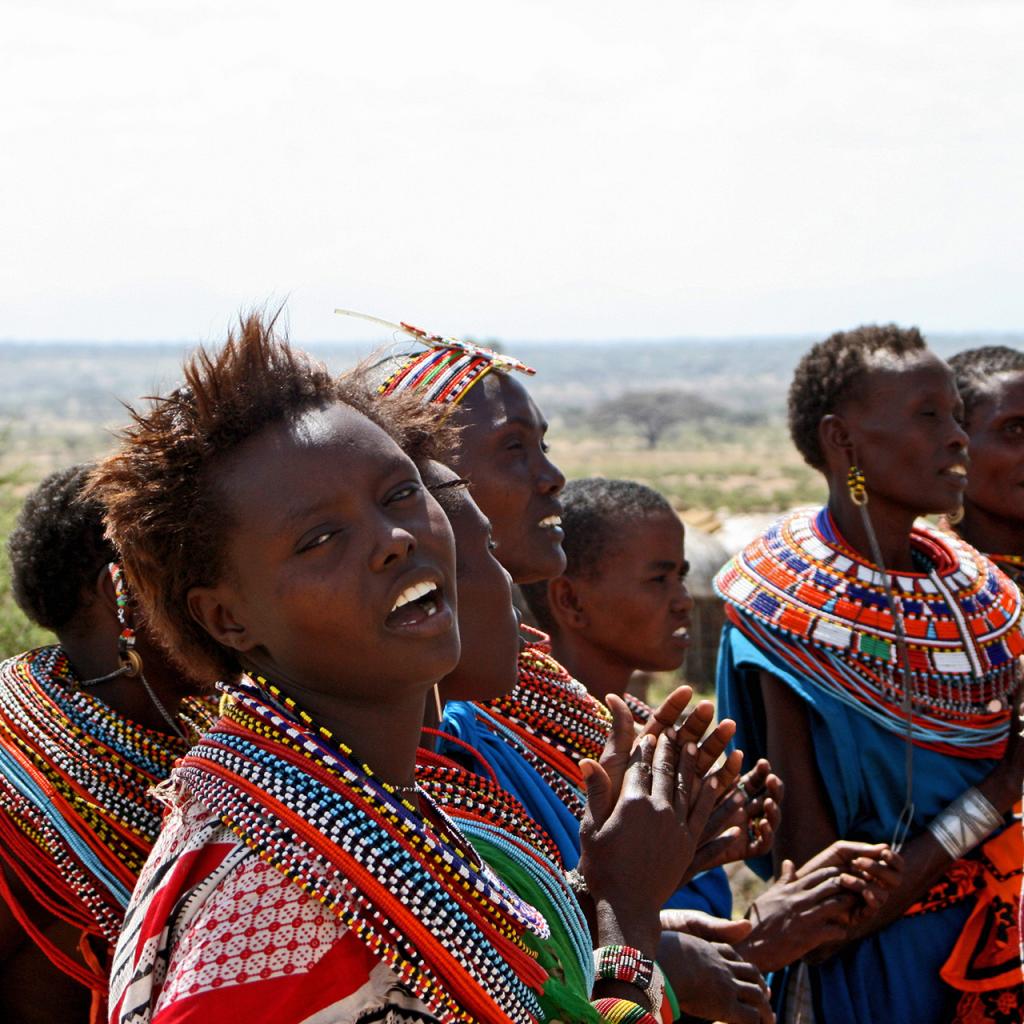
[218, 933]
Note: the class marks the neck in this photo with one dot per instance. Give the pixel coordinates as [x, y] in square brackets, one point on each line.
[93, 653]
[891, 523]
[598, 670]
[990, 533]
[384, 735]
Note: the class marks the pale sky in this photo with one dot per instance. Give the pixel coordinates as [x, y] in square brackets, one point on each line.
[524, 170]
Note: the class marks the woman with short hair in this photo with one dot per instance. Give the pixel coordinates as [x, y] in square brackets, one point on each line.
[874, 661]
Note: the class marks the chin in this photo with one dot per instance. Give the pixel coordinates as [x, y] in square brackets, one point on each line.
[546, 566]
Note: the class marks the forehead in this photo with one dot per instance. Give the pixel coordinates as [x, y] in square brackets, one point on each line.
[1003, 395]
[498, 399]
[646, 537]
[905, 375]
[329, 448]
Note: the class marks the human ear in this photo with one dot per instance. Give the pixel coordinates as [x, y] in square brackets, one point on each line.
[103, 590]
[215, 609]
[835, 440]
[564, 602]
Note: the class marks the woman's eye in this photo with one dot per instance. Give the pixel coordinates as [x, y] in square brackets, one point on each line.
[320, 538]
[403, 492]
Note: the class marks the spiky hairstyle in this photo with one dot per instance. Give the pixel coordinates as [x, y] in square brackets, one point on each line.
[164, 510]
[57, 548]
[975, 368]
[830, 374]
[595, 512]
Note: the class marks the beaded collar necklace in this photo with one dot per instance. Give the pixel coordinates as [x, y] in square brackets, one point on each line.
[495, 818]
[801, 591]
[550, 718]
[1012, 565]
[78, 818]
[413, 890]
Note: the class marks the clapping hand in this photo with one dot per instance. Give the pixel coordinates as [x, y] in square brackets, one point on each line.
[647, 807]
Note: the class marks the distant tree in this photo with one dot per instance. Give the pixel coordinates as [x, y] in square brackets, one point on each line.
[653, 413]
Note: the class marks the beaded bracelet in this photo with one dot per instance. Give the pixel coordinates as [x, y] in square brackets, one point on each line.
[622, 1011]
[968, 820]
[630, 966]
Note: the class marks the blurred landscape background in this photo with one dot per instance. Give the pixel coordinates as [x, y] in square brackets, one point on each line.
[702, 420]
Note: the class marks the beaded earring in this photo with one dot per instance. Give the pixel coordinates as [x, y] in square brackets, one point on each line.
[131, 660]
[857, 485]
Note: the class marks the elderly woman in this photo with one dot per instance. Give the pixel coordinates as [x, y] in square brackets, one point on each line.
[282, 539]
[875, 663]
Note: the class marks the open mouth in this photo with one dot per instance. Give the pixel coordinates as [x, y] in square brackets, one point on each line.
[417, 603]
[957, 473]
[549, 521]
[681, 635]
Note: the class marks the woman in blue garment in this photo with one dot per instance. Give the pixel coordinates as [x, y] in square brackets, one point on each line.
[829, 612]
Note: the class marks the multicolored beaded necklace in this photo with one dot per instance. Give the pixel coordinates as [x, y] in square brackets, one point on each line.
[802, 592]
[1012, 565]
[527, 859]
[408, 885]
[551, 719]
[78, 818]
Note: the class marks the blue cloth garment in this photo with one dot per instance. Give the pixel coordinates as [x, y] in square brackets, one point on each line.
[892, 975]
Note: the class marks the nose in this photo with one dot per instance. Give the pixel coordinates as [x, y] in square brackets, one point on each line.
[550, 479]
[682, 600]
[958, 437]
[394, 544]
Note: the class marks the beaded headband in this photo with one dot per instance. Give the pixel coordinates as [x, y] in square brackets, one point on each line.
[445, 372]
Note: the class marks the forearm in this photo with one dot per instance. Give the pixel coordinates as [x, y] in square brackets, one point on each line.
[957, 829]
[617, 928]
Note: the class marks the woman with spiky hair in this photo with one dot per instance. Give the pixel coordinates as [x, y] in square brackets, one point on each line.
[875, 662]
[282, 539]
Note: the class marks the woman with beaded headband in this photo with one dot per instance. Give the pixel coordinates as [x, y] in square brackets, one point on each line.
[991, 383]
[282, 538]
[536, 735]
[875, 661]
[85, 732]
